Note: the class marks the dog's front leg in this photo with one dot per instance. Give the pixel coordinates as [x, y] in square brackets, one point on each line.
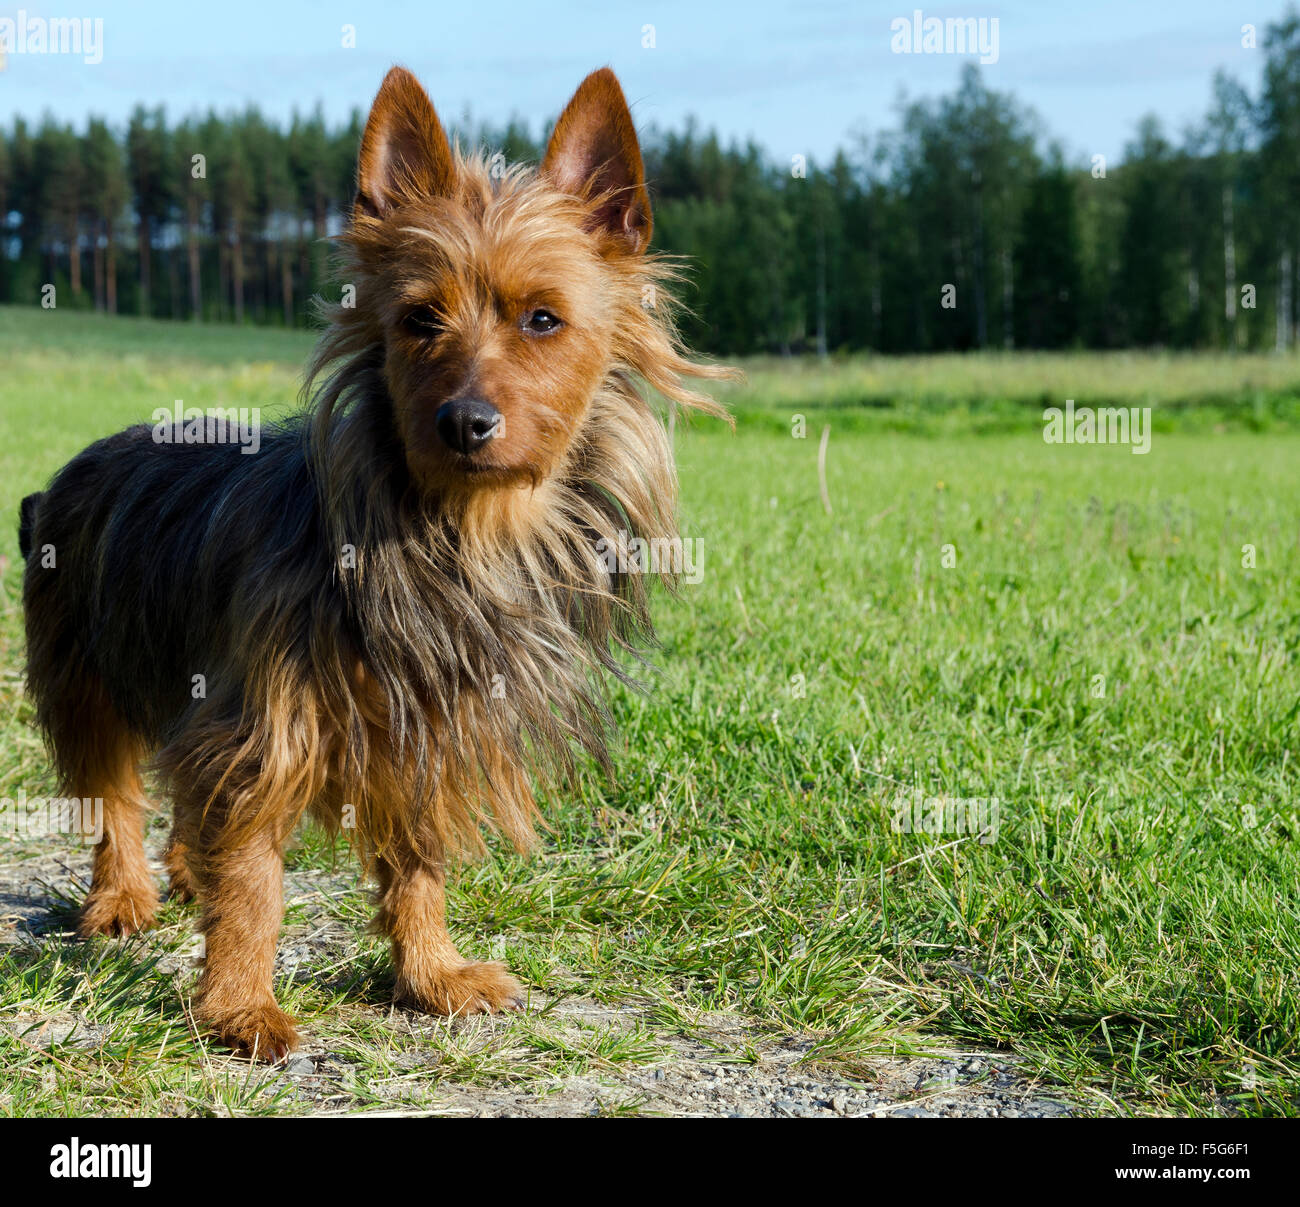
[241, 888]
[431, 974]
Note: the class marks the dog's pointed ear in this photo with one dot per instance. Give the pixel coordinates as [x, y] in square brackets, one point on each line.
[593, 153]
[405, 155]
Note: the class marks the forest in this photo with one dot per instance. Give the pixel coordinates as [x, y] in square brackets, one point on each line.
[961, 225]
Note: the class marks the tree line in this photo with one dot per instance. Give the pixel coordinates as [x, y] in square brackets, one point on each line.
[963, 227]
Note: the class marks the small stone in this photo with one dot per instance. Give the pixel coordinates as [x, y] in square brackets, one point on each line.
[300, 1066]
[839, 1104]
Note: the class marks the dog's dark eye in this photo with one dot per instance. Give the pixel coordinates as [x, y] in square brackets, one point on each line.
[541, 322]
[422, 320]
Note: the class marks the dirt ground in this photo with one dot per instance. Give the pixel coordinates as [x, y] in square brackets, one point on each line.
[678, 1075]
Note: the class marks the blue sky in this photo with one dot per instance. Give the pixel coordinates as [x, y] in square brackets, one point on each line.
[799, 76]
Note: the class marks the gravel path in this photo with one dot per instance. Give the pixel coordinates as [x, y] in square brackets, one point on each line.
[679, 1076]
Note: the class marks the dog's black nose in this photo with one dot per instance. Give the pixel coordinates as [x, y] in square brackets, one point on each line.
[467, 424]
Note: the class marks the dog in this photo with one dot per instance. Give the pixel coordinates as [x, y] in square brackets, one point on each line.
[395, 616]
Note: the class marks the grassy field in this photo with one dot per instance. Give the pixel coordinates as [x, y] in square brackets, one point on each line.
[1072, 631]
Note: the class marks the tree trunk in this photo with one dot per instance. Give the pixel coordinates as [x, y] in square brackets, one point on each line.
[286, 282]
[173, 281]
[237, 272]
[110, 269]
[304, 257]
[1284, 302]
[822, 350]
[1230, 271]
[97, 269]
[74, 256]
[223, 278]
[196, 280]
[146, 265]
[1008, 302]
[319, 255]
[978, 267]
[877, 308]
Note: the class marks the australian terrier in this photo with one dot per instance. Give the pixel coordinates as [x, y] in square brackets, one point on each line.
[396, 613]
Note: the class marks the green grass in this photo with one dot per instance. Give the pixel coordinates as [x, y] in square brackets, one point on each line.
[1098, 659]
[954, 394]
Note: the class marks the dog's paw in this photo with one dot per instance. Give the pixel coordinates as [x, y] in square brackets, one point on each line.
[180, 880]
[180, 886]
[476, 987]
[259, 1032]
[117, 911]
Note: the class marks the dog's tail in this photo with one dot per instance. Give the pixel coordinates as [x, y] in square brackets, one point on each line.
[27, 522]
